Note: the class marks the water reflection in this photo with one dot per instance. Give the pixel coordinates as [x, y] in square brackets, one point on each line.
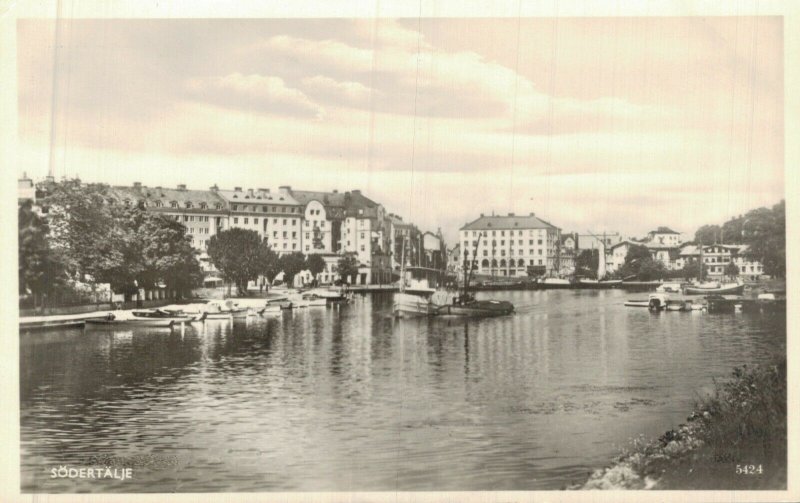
[349, 398]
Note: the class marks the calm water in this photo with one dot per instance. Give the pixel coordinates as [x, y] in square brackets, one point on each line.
[349, 398]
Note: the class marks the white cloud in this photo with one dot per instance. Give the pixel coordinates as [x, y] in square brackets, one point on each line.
[348, 91]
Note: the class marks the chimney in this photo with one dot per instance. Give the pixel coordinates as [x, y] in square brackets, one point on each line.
[237, 189]
[511, 214]
[335, 191]
[357, 191]
[137, 186]
[533, 214]
[481, 215]
[285, 189]
[250, 193]
[181, 186]
[214, 188]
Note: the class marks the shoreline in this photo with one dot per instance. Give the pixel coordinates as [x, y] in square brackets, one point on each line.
[735, 439]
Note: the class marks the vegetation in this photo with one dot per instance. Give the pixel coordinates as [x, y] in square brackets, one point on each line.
[640, 264]
[586, 263]
[762, 229]
[736, 439]
[40, 271]
[291, 264]
[93, 239]
[315, 264]
[238, 254]
[347, 268]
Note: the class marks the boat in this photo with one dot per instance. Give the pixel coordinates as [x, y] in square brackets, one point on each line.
[472, 307]
[219, 316]
[314, 300]
[555, 283]
[736, 288]
[654, 302]
[271, 309]
[113, 320]
[669, 288]
[593, 283]
[723, 304]
[678, 305]
[330, 295]
[218, 310]
[31, 326]
[160, 314]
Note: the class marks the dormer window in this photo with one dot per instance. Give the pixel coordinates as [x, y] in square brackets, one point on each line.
[159, 204]
[188, 204]
[218, 206]
[174, 204]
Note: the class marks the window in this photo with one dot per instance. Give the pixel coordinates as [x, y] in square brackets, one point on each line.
[284, 246]
[294, 235]
[362, 247]
[275, 234]
[284, 221]
[255, 220]
[246, 220]
[235, 220]
[307, 237]
[540, 261]
[294, 221]
[306, 247]
[362, 235]
[185, 218]
[188, 204]
[540, 251]
[173, 204]
[540, 242]
[235, 207]
[294, 246]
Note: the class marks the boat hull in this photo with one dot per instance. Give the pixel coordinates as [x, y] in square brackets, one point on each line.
[407, 304]
[725, 290]
[139, 322]
[478, 308]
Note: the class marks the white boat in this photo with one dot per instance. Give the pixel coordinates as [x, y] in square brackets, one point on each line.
[314, 300]
[715, 288]
[654, 302]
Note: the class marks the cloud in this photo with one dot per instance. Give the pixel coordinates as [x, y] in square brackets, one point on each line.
[338, 92]
[254, 92]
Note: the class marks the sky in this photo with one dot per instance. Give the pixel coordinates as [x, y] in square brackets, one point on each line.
[594, 124]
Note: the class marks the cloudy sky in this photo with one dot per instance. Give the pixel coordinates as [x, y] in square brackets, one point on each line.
[592, 123]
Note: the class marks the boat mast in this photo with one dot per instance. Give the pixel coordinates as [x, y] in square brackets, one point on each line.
[467, 278]
[403, 266]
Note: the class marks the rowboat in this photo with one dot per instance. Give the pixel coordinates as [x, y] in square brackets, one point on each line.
[716, 289]
[162, 315]
[654, 302]
[669, 288]
[50, 325]
[133, 322]
[483, 308]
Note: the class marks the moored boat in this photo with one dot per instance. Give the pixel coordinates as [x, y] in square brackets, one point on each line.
[654, 302]
[669, 288]
[714, 289]
[112, 320]
[162, 315]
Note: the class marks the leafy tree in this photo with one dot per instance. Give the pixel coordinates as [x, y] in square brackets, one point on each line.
[347, 267]
[86, 235]
[693, 269]
[40, 271]
[269, 265]
[586, 263]
[708, 234]
[315, 264]
[237, 254]
[639, 263]
[764, 230]
[167, 254]
[291, 264]
[731, 270]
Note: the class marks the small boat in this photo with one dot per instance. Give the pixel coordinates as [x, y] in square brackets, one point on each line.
[472, 307]
[715, 288]
[556, 283]
[164, 315]
[271, 309]
[604, 283]
[132, 322]
[721, 304]
[50, 325]
[219, 316]
[331, 296]
[314, 300]
[654, 302]
[678, 305]
[669, 288]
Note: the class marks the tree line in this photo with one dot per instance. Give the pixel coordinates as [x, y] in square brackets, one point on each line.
[86, 239]
[762, 229]
[241, 256]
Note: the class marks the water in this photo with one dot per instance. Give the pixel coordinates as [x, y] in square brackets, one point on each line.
[348, 398]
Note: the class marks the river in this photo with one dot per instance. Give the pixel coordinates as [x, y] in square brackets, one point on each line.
[348, 398]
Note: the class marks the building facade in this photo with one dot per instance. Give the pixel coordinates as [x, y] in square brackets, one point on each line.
[511, 245]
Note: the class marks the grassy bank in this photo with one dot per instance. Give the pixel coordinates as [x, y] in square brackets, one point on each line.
[735, 439]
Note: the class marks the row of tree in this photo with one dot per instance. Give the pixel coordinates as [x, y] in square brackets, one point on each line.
[762, 229]
[86, 239]
[242, 256]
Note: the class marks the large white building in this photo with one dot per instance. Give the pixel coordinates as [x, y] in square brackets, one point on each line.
[511, 245]
[278, 217]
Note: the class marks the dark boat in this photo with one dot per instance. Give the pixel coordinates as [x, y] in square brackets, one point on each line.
[134, 322]
[177, 317]
[472, 307]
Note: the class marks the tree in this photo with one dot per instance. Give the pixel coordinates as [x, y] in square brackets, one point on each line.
[315, 264]
[586, 263]
[708, 235]
[236, 253]
[347, 267]
[764, 231]
[85, 234]
[269, 265]
[291, 264]
[40, 271]
[731, 270]
[167, 254]
[693, 269]
[639, 263]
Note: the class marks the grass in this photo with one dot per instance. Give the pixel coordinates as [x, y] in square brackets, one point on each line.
[736, 439]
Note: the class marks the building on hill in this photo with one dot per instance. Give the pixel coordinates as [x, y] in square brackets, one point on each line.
[718, 257]
[511, 245]
[664, 236]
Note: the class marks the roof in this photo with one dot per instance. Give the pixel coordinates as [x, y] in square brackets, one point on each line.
[257, 197]
[497, 222]
[166, 196]
[339, 204]
[694, 249]
[624, 242]
[664, 230]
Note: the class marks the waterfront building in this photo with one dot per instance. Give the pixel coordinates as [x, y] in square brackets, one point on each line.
[454, 265]
[568, 254]
[511, 245]
[666, 254]
[26, 191]
[277, 217]
[616, 254]
[204, 213]
[717, 257]
[664, 236]
[434, 251]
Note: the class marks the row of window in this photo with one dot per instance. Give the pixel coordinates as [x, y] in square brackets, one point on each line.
[503, 252]
[321, 224]
[265, 209]
[531, 232]
[520, 242]
[255, 220]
